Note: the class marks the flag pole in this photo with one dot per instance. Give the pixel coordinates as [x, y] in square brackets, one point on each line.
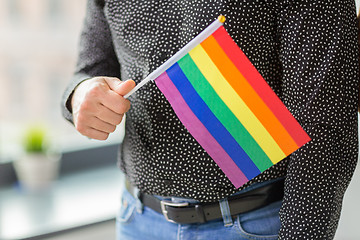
[181, 53]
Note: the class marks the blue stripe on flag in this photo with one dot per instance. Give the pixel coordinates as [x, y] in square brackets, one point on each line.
[214, 126]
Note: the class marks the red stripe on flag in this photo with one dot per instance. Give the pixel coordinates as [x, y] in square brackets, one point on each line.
[250, 73]
[247, 93]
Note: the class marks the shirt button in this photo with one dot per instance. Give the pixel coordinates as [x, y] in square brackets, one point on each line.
[163, 57]
[160, 117]
[167, 182]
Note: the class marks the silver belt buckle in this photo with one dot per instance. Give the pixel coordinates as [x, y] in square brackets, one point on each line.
[165, 203]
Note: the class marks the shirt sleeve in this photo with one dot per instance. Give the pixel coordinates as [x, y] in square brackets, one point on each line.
[96, 56]
[358, 26]
[319, 57]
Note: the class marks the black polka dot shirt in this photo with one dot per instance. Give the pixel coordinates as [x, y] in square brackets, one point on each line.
[306, 51]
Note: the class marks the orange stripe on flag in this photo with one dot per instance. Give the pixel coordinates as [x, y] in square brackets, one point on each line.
[248, 70]
[249, 96]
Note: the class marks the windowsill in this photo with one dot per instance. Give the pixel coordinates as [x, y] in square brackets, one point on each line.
[68, 141]
[75, 200]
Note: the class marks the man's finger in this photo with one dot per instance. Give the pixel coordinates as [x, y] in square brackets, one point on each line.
[109, 116]
[115, 102]
[125, 87]
[102, 126]
[96, 134]
[112, 82]
[120, 87]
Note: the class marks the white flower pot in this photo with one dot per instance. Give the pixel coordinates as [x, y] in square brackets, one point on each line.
[37, 171]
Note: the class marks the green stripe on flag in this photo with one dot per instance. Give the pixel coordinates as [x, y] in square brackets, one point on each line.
[224, 114]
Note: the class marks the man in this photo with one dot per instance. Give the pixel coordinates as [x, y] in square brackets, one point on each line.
[305, 50]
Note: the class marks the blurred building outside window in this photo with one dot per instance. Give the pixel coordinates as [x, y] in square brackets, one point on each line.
[38, 51]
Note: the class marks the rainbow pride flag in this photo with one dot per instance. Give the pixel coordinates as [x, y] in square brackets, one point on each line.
[228, 107]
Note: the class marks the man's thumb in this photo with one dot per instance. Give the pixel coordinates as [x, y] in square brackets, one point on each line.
[120, 87]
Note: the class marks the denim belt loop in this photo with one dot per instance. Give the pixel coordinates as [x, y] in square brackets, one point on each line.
[225, 212]
[139, 205]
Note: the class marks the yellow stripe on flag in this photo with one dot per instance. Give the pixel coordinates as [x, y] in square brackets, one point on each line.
[236, 104]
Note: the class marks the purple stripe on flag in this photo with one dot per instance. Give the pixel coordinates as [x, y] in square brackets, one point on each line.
[200, 133]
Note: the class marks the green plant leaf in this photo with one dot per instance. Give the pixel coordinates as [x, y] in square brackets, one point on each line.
[34, 139]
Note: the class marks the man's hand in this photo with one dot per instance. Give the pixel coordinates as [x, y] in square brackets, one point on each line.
[98, 106]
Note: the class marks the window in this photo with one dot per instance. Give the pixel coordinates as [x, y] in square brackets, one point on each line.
[38, 41]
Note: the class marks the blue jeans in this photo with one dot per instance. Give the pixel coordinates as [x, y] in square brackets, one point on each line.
[135, 221]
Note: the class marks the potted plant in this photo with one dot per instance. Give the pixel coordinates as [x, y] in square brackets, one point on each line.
[38, 166]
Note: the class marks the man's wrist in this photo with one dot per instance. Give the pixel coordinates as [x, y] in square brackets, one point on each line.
[69, 101]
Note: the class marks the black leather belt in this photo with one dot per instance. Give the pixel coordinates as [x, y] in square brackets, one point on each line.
[186, 213]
